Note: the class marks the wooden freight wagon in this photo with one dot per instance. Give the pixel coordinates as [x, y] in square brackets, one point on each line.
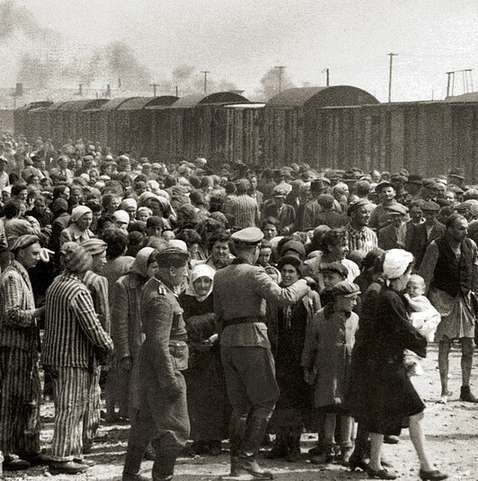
[197, 126]
[291, 128]
[134, 120]
[21, 118]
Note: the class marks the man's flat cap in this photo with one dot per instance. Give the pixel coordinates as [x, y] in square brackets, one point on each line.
[430, 206]
[170, 256]
[249, 235]
[415, 179]
[397, 208]
[345, 289]
[382, 185]
[356, 205]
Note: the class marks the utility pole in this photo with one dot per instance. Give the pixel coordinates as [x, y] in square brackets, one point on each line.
[177, 91]
[205, 73]
[327, 76]
[448, 82]
[391, 55]
[155, 86]
[80, 90]
[281, 69]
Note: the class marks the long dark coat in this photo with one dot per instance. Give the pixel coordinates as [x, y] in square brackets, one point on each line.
[207, 401]
[381, 395]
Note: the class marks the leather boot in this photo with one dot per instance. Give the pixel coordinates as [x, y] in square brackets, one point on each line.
[466, 395]
[237, 430]
[256, 427]
[163, 467]
[132, 464]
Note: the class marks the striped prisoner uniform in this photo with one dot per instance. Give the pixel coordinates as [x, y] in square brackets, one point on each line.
[245, 211]
[363, 240]
[98, 287]
[19, 370]
[73, 337]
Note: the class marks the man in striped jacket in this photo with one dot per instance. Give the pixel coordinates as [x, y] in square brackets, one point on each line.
[19, 348]
[74, 344]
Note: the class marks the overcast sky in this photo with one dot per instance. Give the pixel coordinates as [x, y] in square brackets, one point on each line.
[239, 40]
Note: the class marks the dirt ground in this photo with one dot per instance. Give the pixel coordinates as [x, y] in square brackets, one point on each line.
[452, 440]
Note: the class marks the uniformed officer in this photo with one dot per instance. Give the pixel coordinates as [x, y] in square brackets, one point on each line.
[162, 416]
[240, 294]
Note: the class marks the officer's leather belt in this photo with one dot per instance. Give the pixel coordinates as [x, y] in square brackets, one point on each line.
[241, 320]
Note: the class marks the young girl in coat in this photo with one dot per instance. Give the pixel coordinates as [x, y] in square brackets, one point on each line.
[326, 362]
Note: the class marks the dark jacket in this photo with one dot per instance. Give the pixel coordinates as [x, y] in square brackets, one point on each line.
[418, 240]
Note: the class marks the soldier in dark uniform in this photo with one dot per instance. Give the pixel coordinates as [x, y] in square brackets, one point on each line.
[240, 293]
[162, 417]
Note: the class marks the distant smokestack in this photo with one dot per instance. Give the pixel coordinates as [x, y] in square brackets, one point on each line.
[108, 91]
[19, 90]
[80, 90]
[119, 83]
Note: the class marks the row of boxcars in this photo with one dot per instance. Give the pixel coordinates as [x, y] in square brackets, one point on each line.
[336, 127]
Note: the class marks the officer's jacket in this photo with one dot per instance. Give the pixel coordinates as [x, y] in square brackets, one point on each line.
[164, 350]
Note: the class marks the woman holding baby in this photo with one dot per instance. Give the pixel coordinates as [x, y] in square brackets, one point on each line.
[381, 397]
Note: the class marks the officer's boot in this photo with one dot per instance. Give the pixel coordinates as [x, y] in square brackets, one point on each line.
[163, 467]
[237, 430]
[256, 428]
[132, 464]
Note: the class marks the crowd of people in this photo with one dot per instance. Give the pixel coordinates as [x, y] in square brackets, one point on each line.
[211, 302]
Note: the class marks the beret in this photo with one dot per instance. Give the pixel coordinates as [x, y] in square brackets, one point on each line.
[249, 235]
[24, 241]
[345, 289]
[94, 246]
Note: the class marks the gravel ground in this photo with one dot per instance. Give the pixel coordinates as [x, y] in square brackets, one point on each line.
[452, 440]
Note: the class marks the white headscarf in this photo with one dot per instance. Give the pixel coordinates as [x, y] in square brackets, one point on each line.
[395, 263]
[198, 271]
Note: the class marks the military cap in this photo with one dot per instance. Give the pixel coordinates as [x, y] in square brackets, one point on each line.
[415, 179]
[397, 209]
[24, 241]
[356, 205]
[171, 256]
[94, 246]
[430, 206]
[249, 235]
[345, 289]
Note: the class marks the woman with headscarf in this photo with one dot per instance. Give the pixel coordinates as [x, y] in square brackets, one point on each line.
[382, 397]
[204, 378]
[79, 229]
[126, 326]
[287, 329]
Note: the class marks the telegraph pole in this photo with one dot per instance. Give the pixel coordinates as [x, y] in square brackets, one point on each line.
[391, 55]
[327, 76]
[205, 73]
[281, 69]
[177, 91]
[155, 86]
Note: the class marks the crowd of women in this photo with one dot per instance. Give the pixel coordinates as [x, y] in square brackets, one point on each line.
[343, 354]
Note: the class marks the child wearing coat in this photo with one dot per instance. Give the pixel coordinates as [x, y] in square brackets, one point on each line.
[326, 361]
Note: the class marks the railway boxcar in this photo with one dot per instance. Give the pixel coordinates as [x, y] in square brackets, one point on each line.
[195, 126]
[290, 121]
[22, 118]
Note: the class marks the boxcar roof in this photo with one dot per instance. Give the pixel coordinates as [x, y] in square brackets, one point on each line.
[139, 103]
[214, 98]
[321, 96]
[78, 105]
[113, 104]
[35, 105]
